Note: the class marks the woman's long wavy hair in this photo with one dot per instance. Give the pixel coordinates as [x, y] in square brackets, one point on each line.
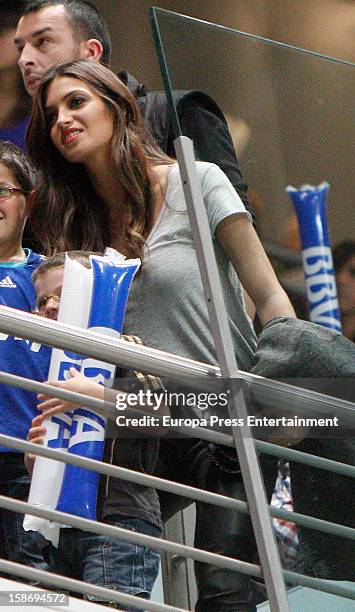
[67, 212]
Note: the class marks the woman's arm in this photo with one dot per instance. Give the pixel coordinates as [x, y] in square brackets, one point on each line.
[246, 253]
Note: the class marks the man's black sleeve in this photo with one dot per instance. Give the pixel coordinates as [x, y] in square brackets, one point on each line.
[202, 120]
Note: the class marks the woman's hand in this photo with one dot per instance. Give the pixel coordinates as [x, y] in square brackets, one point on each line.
[78, 383]
[35, 435]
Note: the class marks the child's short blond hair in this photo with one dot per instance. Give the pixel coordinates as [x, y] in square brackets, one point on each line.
[58, 261]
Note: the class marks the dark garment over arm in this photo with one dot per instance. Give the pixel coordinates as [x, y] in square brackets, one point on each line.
[317, 358]
[200, 119]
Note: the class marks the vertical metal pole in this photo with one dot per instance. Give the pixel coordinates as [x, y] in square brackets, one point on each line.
[245, 446]
[176, 582]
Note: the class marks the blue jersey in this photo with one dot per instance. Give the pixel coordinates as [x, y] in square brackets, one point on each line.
[17, 356]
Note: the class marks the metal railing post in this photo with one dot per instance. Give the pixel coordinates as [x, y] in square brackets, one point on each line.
[259, 511]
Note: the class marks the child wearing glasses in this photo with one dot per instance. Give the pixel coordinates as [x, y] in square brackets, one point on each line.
[102, 560]
[17, 356]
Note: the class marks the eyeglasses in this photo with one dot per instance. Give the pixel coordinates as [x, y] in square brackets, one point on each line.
[41, 306]
[6, 192]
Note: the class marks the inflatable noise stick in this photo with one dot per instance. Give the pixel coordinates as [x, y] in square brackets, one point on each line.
[111, 284]
[48, 473]
[310, 206]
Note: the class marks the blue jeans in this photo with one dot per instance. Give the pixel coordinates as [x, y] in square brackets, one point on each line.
[16, 544]
[107, 561]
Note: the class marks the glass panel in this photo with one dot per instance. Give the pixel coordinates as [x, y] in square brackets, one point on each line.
[290, 111]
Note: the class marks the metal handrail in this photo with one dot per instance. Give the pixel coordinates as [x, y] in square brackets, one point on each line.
[85, 588]
[130, 536]
[120, 352]
[97, 346]
[176, 488]
[109, 410]
[179, 549]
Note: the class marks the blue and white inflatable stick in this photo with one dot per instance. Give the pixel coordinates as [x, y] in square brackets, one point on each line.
[112, 282]
[310, 206]
[48, 474]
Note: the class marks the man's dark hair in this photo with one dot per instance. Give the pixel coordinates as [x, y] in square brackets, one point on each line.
[10, 13]
[85, 19]
[342, 253]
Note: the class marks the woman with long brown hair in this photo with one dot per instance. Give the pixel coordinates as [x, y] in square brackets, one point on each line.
[106, 183]
[84, 204]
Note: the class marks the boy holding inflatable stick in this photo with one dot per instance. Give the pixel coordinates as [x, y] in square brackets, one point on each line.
[17, 356]
[101, 560]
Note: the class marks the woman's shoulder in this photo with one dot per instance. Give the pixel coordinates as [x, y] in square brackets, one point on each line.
[211, 177]
[203, 169]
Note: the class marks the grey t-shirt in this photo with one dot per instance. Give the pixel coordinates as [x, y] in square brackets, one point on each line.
[166, 306]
